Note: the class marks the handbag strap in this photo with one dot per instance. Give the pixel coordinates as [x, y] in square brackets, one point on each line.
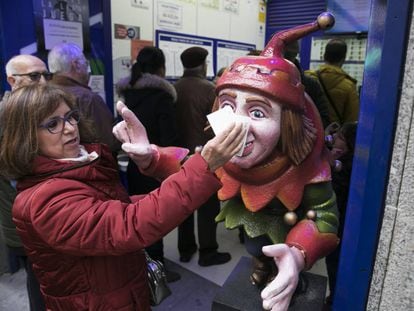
[338, 115]
[147, 257]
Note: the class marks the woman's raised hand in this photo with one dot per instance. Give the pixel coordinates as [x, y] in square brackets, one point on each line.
[224, 146]
[133, 136]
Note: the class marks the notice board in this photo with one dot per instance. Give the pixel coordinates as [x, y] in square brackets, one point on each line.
[221, 53]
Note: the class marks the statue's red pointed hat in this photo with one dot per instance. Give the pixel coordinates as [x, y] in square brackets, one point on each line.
[270, 73]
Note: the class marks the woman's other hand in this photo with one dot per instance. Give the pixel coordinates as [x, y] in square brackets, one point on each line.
[224, 146]
[134, 137]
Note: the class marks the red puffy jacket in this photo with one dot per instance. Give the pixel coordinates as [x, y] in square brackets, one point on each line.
[85, 235]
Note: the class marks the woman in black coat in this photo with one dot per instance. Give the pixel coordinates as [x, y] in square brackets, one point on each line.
[151, 97]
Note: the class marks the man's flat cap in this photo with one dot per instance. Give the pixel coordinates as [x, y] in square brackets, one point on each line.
[193, 57]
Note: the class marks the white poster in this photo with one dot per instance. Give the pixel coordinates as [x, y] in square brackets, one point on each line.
[60, 21]
[170, 15]
[97, 85]
[58, 31]
[121, 69]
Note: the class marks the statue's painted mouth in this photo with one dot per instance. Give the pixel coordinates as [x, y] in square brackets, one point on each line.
[248, 148]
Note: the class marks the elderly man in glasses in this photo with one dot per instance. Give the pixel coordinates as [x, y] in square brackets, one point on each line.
[20, 70]
[26, 69]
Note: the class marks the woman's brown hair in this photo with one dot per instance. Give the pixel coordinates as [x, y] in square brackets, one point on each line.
[20, 117]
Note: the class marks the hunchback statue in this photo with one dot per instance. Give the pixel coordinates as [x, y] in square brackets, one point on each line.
[279, 190]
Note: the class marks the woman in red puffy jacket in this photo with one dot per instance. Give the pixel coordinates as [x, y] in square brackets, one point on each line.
[83, 234]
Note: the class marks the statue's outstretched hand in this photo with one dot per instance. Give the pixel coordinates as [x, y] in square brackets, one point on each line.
[220, 149]
[133, 136]
[290, 261]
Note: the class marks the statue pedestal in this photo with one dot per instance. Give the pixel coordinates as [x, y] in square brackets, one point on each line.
[238, 294]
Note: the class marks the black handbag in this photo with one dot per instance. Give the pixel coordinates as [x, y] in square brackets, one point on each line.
[157, 281]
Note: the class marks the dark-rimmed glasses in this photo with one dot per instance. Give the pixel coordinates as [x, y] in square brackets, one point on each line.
[35, 76]
[56, 124]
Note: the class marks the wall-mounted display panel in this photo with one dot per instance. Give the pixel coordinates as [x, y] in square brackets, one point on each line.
[173, 44]
[227, 52]
[350, 15]
[355, 57]
[221, 53]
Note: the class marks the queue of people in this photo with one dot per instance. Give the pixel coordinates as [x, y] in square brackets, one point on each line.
[78, 230]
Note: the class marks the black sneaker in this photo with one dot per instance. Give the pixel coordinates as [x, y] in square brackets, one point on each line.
[214, 258]
[172, 276]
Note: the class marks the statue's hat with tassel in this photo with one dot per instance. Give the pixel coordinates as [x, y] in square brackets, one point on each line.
[270, 73]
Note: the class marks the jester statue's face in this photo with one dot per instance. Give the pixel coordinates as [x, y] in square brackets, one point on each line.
[264, 130]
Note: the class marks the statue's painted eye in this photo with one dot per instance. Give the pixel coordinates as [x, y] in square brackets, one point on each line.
[258, 114]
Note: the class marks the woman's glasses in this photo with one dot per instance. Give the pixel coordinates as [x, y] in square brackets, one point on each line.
[56, 124]
[35, 76]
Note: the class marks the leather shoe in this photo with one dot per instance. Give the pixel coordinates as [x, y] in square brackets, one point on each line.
[186, 256]
[214, 258]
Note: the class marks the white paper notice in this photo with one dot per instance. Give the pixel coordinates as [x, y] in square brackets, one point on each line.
[220, 120]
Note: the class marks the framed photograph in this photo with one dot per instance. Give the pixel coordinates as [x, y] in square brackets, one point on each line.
[61, 21]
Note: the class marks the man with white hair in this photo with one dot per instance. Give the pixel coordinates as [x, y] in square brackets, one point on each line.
[20, 70]
[71, 72]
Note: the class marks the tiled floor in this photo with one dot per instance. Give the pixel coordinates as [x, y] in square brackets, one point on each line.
[13, 292]
[229, 242]
[13, 295]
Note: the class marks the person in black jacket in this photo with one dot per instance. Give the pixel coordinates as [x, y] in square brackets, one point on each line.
[343, 150]
[151, 97]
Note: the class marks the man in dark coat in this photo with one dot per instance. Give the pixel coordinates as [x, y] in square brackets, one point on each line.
[195, 98]
[70, 68]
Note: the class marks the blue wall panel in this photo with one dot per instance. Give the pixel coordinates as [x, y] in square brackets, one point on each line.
[17, 30]
[387, 41]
